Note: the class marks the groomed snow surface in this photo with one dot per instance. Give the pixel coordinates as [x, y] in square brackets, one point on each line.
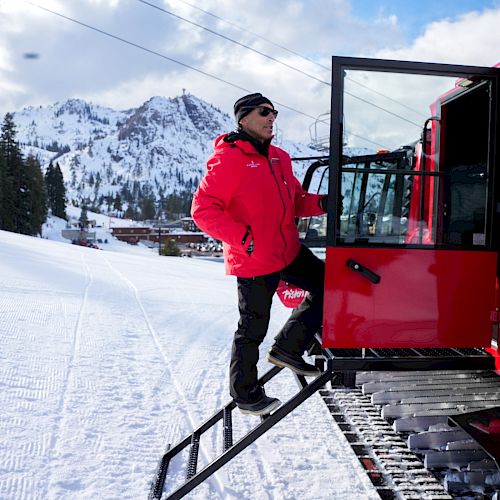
[108, 355]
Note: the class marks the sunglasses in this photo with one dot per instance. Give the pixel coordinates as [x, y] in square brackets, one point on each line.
[264, 110]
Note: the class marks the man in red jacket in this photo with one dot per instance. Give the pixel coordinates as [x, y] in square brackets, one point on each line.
[249, 199]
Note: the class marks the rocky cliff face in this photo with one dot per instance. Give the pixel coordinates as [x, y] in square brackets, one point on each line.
[159, 148]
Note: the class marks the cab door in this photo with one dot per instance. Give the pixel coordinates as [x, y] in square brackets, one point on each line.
[411, 255]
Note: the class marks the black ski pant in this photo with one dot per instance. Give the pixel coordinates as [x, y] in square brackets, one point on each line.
[254, 301]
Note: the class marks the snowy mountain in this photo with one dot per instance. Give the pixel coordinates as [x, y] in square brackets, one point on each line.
[157, 149]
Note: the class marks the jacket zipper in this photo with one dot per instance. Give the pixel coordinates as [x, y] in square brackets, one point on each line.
[286, 186]
[284, 208]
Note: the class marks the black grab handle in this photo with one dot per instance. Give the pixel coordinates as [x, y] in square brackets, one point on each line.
[364, 271]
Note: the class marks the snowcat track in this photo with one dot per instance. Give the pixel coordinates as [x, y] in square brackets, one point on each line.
[407, 398]
[395, 472]
[420, 448]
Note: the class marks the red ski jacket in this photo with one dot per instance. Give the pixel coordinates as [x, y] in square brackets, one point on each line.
[245, 196]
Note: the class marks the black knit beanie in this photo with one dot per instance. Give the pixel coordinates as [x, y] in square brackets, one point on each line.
[245, 104]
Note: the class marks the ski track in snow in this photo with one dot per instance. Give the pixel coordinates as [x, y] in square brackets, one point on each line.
[106, 357]
[183, 406]
[61, 407]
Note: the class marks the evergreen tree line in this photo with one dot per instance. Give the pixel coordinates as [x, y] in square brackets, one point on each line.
[169, 206]
[25, 193]
[142, 204]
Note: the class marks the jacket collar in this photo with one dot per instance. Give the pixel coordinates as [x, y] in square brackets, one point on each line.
[245, 142]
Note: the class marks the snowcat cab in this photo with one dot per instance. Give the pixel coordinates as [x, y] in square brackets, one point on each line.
[411, 245]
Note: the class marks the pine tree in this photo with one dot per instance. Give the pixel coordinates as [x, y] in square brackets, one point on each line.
[22, 196]
[49, 185]
[170, 248]
[24, 205]
[11, 171]
[148, 209]
[59, 208]
[38, 196]
[117, 203]
[84, 220]
[3, 173]
[131, 212]
[56, 192]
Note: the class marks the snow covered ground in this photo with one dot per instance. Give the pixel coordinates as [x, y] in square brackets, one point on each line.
[108, 355]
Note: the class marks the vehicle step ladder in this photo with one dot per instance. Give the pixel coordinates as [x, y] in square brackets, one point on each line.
[230, 449]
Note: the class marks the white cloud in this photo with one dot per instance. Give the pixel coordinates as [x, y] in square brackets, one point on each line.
[108, 3]
[472, 38]
[77, 62]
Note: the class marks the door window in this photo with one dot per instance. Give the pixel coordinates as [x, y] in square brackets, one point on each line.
[312, 230]
[376, 191]
[428, 187]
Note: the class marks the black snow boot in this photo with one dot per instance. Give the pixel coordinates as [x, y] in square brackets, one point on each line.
[278, 357]
[262, 407]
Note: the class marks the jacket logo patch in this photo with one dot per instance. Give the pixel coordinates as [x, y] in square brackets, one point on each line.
[253, 164]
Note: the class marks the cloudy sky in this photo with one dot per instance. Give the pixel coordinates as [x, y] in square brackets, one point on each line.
[119, 53]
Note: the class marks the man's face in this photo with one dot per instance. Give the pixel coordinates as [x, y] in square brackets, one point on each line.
[258, 126]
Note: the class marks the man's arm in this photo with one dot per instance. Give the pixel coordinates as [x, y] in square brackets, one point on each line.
[307, 204]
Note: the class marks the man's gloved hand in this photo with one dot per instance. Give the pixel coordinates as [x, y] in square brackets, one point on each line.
[323, 203]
